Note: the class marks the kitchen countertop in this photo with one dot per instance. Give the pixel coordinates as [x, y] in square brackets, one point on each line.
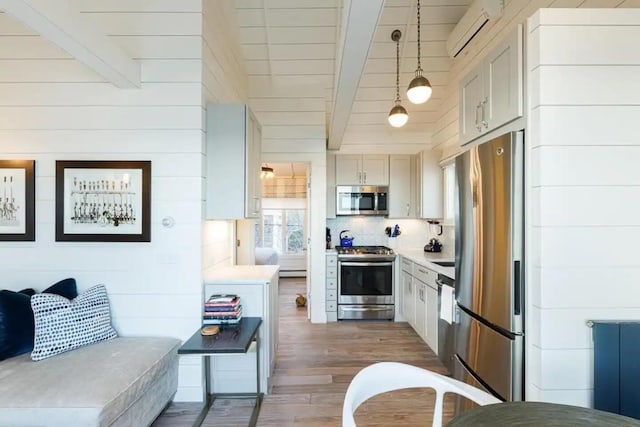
[240, 275]
[426, 259]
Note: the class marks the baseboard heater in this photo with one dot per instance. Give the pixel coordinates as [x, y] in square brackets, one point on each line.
[616, 367]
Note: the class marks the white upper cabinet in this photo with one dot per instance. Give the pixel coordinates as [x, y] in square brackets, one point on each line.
[401, 186]
[491, 95]
[362, 169]
[428, 192]
[234, 150]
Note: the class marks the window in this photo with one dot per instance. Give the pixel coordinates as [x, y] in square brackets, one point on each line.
[449, 192]
[282, 230]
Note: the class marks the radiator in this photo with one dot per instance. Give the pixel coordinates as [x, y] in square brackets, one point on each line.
[616, 367]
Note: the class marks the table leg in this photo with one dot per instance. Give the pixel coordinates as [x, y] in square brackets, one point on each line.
[256, 407]
[207, 401]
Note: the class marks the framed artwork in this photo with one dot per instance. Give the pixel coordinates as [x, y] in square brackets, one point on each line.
[103, 201]
[17, 200]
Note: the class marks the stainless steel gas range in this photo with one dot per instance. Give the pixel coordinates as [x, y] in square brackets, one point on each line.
[365, 282]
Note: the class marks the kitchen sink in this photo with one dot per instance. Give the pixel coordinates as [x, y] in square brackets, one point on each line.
[445, 263]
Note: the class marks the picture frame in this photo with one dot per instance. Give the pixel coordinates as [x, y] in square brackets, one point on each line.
[103, 201]
[17, 200]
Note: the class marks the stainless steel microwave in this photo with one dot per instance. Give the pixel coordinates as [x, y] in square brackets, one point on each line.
[366, 200]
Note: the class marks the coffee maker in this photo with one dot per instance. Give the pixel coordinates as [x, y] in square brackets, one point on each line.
[328, 239]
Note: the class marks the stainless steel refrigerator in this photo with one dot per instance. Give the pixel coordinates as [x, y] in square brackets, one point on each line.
[489, 328]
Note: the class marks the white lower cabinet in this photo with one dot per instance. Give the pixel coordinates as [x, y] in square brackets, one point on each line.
[419, 301]
[408, 301]
[421, 308]
[431, 335]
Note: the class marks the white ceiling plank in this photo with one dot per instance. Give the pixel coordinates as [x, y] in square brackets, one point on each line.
[287, 17]
[66, 28]
[436, 78]
[377, 118]
[431, 32]
[361, 23]
[427, 49]
[286, 4]
[429, 15]
[384, 107]
[288, 35]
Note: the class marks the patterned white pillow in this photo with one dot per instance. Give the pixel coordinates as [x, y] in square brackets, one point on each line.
[62, 324]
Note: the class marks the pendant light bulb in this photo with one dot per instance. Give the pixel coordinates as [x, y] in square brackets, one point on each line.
[398, 115]
[419, 90]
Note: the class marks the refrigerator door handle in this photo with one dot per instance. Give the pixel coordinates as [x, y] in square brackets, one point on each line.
[517, 288]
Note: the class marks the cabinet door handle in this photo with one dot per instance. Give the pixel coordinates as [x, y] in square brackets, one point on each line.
[408, 209]
[484, 121]
[359, 177]
[477, 125]
[365, 178]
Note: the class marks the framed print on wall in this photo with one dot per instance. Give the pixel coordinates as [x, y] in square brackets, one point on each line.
[103, 201]
[17, 200]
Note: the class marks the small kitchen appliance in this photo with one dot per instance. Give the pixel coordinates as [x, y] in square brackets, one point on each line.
[328, 238]
[434, 245]
[346, 241]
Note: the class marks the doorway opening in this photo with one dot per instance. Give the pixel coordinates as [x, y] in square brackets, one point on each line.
[281, 231]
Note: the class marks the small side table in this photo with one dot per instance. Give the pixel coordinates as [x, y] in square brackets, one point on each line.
[231, 339]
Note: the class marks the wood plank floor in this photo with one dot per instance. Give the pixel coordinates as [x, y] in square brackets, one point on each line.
[314, 366]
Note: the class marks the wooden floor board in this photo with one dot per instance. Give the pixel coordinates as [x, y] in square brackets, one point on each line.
[314, 366]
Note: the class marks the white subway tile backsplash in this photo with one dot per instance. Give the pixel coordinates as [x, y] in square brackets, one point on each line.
[415, 233]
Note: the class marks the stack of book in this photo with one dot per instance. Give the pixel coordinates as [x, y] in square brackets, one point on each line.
[222, 309]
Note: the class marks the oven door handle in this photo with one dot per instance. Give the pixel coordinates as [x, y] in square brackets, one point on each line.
[365, 308]
[365, 264]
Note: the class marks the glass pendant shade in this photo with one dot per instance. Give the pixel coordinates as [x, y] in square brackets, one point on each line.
[419, 90]
[398, 116]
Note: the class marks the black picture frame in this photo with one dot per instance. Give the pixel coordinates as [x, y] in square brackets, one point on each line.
[17, 200]
[103, 201]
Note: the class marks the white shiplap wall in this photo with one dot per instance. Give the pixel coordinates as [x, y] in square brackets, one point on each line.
[52, 108]
[584, 146]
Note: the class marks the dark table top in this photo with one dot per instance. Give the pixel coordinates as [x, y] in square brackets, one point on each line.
[231, 338]
[529, 414]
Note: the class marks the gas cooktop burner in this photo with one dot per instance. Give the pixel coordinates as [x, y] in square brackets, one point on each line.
[364, 250]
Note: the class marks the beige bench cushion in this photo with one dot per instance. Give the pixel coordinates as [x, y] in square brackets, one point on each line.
[89, 386]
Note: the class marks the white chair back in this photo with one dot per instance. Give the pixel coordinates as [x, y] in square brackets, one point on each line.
[388, 376]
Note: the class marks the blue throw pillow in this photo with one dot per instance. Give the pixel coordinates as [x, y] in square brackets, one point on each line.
[16, 317]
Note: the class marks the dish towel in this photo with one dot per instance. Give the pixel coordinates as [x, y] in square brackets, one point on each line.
[447, 304]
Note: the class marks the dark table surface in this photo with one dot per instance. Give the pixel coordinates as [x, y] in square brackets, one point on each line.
[529, 414]
[231, 338]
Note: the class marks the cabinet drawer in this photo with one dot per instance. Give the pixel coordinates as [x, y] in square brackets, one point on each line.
[332, 294]
[332, 283]
[332, 273]
[423, 273]
[332, 306]
[407, 265]
[332, 261]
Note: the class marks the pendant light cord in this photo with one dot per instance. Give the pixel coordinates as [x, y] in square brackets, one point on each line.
[419, 69]
[398, 71]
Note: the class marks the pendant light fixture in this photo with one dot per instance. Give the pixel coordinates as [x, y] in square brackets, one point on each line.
[419, 90]
[398, 115]
[267, 172]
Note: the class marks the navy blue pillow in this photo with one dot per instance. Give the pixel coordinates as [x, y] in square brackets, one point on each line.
[16, 317]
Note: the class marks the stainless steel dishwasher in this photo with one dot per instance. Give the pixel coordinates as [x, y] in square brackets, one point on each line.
[445, 330]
